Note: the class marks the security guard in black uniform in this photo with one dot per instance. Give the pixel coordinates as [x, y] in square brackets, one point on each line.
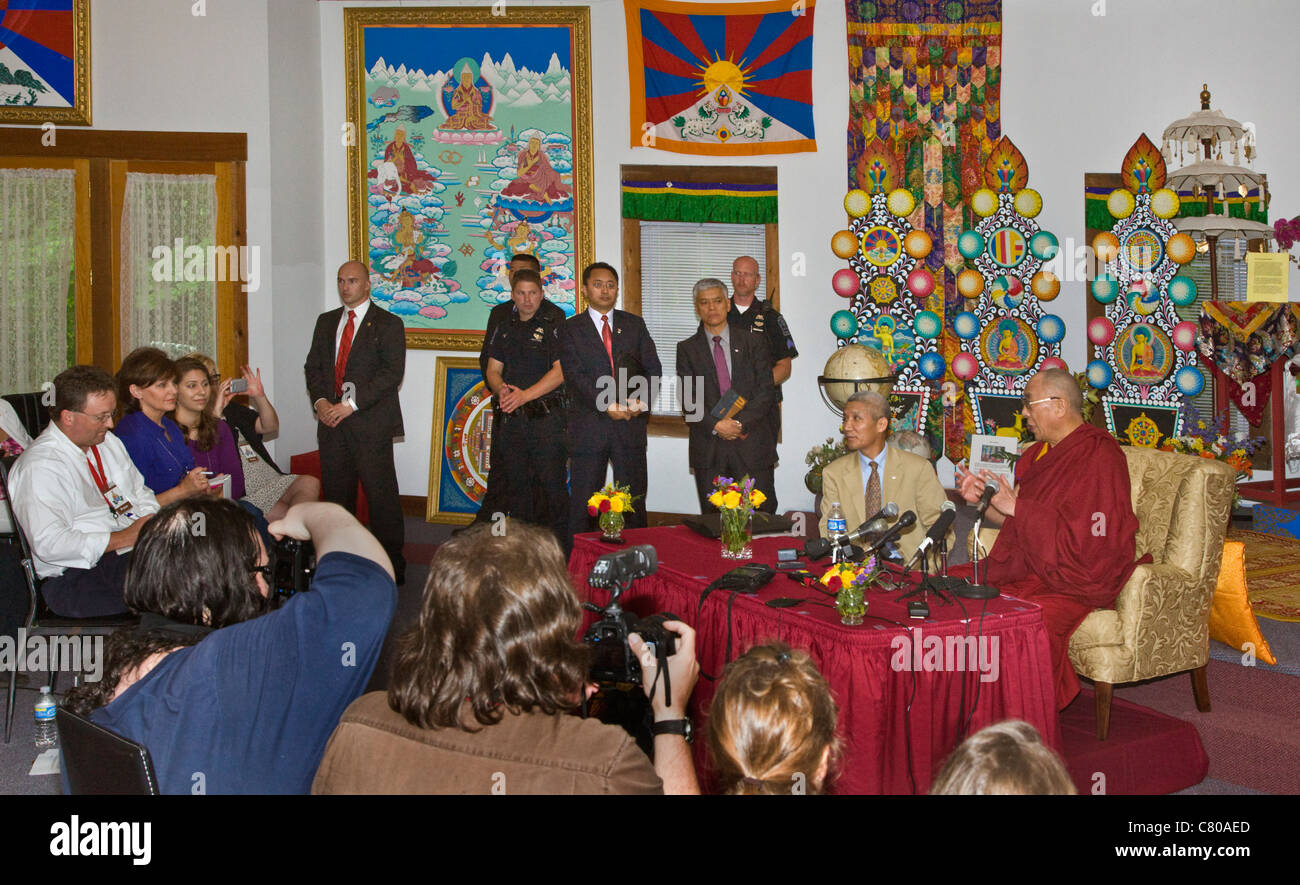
[759, 317]
[524, 372]
[496, 499]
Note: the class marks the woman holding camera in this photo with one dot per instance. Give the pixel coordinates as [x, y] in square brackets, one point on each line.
[266, 487]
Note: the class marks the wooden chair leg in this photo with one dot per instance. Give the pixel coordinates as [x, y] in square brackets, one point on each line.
[1103, 692]
[1201, 689]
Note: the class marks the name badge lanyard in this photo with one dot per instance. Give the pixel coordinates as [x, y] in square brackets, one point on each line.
[101, 482]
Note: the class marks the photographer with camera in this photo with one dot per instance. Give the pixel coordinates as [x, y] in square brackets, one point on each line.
[482, 685]
[227, 696]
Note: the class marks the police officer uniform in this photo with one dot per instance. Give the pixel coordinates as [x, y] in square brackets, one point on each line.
[496, 499]
[532, 436]
[763, 320]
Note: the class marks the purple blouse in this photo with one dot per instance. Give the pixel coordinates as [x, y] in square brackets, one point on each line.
[222, 458]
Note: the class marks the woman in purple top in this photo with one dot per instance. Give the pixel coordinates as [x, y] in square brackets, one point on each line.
[147, 391]
[209, 438]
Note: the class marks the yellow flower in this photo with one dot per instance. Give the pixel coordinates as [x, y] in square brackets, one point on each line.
[616, 504]
[731, 500]
[594, 500]
[756, 497]
[716, 499]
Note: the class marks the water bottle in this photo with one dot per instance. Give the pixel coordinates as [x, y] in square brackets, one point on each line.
[836, 527]
[46, 731]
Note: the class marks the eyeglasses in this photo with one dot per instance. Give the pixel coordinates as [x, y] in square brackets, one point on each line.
[266, 571]
[1028, 403]
[104, 418]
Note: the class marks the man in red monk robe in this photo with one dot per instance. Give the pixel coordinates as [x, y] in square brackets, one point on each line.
[1068, 531]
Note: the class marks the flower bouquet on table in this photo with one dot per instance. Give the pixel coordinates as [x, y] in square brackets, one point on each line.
[736, 501]
[611, 504]
[849, 581]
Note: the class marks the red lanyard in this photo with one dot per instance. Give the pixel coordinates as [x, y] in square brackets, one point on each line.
[101, 478]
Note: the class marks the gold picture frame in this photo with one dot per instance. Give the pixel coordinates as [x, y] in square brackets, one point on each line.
[459, 440]
[438, 318]
[48, 66]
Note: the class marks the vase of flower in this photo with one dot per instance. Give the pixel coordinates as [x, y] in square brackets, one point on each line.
[849, 582]
[736, 501]
[611, 526]
[610, 506]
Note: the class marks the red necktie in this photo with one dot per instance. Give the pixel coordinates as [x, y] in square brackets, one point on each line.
[345, 347]
[608, 339]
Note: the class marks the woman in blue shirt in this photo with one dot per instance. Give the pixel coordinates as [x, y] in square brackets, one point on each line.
[146, 385]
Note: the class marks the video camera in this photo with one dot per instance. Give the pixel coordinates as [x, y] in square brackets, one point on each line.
[614, 669]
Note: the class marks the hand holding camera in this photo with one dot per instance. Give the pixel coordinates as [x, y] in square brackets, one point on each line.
[683, 670]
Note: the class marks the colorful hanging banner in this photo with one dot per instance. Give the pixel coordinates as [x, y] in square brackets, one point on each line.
[727, 79]
[701, 202]
[924, 80]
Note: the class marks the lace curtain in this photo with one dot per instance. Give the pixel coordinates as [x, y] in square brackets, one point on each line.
[37, 231]
[169, 269]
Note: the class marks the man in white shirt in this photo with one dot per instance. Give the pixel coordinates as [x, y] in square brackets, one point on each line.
[79, 498]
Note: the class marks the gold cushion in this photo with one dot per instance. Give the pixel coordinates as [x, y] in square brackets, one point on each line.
[1232, 620]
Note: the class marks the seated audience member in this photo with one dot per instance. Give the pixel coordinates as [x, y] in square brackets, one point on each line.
[146, 385]
[876, 471]
[1008, 758]
[13, 441]
[209, 439]
[79, 498]
[483, 684]
[263, 487]
[772, 724]
[227, 697]
[254, 482]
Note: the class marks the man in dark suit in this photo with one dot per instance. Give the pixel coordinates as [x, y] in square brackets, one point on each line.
[354, 369]
[609, 360]
[714, 360]
[496, 499]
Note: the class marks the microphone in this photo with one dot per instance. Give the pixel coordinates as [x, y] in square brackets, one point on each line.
[989, 491]
[816, 548]
[947, 513]
[906, 521]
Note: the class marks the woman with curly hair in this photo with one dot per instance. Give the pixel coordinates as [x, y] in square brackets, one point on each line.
[772, 724]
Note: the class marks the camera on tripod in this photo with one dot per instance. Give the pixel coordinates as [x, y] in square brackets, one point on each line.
[612, 661]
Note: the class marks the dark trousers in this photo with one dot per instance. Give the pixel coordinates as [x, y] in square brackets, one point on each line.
[535, 456]
[764, 481]
[347, 454]
[587, 476]
[89, 593]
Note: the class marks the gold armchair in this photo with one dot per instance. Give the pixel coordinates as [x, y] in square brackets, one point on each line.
[1160, 623]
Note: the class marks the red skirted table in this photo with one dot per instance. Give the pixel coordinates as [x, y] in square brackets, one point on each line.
[876, 670]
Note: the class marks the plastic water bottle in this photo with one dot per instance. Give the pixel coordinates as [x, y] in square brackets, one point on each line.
[837, 527]
[47, 734]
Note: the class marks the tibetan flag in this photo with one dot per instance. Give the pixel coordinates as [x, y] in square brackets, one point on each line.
[721, 78]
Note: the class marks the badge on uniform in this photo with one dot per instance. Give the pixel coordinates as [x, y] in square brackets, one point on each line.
[539, 333]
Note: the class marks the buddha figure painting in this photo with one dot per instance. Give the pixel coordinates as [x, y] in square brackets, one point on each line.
[1144, 354]
[465, 107]
[894, 341]
[1008, 347]
[537, 179]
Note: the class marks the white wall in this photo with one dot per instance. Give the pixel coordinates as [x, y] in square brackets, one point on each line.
[1077, 89]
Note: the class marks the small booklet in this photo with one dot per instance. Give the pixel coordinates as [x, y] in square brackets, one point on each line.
[727, 407]
[220, 481]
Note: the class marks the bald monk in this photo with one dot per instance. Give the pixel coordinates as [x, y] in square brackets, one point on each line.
[1068, 531]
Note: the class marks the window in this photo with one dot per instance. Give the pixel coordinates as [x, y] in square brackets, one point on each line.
[681, 224]
[674, 256]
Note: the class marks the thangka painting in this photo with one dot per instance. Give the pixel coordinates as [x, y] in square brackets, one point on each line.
[45, 61]
[461, 441]
[925, 82]
[470, 141]
[721, 79]
[1144, 354]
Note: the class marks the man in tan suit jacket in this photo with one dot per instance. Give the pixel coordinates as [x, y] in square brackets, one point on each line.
[906, 479]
